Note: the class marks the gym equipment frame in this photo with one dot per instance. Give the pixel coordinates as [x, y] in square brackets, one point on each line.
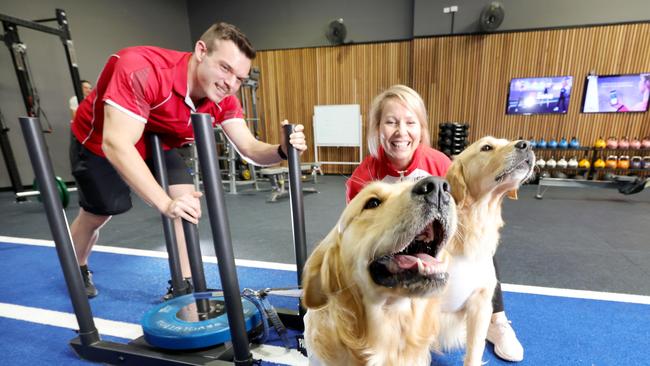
[19, 58]
[88, 344]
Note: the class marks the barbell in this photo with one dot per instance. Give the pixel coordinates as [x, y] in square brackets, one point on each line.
[64, 192]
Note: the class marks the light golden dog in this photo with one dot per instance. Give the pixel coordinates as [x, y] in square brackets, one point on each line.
[480, 177]
[370, 285]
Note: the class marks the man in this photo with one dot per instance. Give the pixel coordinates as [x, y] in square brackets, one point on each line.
[73, 103]
[153, 90]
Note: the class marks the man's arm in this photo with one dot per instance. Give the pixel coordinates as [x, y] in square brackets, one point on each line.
[121, 132]
[260, 152]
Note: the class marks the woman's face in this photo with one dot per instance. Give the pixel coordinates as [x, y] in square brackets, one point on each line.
[399, 133]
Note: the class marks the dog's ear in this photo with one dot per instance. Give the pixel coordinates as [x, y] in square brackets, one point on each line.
[513, 194]
[456, 178]
[320, 275]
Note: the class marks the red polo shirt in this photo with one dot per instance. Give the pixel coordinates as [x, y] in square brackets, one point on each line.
[426, 161]
[150, 85]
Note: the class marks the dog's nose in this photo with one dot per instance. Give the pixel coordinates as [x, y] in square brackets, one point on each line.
[435, 190]
[522, 145]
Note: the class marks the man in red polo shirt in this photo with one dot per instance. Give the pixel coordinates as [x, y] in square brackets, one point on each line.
[153, 90]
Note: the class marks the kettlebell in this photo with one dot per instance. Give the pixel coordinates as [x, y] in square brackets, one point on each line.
[540, 163]
[573, 163]
[611, 162]
[559, 174]
[645, 144]
[600, 143]
[584, 163]
[551, 163]
[645, 164]
[635, 144]
[612, 143]
[542, 143]
[532, 142]
[574, 143]
[623, 162]
[562, 163]
[552, 144]
[623, 143]
[563, 144]
[636, 162]
[599, 164]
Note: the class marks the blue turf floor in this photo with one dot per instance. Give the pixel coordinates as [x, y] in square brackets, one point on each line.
[553, 330]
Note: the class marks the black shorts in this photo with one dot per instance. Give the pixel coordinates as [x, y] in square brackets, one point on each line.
[102, 191]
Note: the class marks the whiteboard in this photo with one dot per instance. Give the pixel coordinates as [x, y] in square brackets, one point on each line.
[337, 125]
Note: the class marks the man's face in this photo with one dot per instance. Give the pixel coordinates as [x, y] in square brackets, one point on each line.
[86, 88]
[220, 73]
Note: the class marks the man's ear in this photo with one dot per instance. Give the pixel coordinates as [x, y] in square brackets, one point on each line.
[200, 50]
[320, 275]
[456, 178]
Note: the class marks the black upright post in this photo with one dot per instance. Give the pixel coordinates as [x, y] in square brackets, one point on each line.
[10, 160]
[42, 165]
[207, 153]
[70, 54]
[17, 51]
[195, 258]
[160, 170]
[297, 209]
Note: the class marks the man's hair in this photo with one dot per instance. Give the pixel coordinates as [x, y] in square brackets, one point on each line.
[407, 97]
[228, 32]
[85, 81]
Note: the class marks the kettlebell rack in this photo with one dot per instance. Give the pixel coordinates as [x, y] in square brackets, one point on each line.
[591, 177]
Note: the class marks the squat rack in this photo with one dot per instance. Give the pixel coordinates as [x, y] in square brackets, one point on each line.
[17, 49]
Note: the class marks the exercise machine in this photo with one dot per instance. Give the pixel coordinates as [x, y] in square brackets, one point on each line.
[18, 52]
[88, 344]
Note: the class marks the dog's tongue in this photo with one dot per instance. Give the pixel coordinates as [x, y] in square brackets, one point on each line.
[403, 261]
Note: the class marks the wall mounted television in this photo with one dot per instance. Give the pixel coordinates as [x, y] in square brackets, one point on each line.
[539, 95]
[616, 93]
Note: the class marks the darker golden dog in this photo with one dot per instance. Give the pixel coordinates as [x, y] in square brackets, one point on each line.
[370, 286]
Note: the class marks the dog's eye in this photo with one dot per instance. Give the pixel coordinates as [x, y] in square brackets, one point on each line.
[486, 148]
[372, 203]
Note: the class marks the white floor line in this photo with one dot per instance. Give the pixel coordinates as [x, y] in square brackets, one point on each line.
[151, 253]
[68, 320]
[130, 331]
[549, 291]
[578, 294]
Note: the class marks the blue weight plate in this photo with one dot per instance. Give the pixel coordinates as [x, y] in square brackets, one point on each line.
[169, 326]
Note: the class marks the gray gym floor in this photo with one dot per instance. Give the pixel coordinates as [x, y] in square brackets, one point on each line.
[585, 239]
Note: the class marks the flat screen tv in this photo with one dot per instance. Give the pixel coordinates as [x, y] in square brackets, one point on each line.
[539, 95]
[616, 93]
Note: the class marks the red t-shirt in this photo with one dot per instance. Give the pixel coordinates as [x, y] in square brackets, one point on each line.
[150, 85]
[426, 162]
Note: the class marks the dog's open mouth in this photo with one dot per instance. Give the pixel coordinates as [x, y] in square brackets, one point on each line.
[524, 166]
[418, 266]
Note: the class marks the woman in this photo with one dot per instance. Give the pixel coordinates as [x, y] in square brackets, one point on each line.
[398, 141]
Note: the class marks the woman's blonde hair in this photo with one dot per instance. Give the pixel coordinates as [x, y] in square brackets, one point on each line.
[410, 99]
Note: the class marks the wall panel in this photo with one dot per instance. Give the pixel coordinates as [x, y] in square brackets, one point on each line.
[461, 78]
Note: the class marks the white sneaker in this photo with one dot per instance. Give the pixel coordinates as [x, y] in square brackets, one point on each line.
[506, 344]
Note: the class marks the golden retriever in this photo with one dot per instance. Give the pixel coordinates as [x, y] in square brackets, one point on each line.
[370, 285]
[480, 177]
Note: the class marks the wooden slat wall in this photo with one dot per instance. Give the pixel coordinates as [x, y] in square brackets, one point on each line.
[293, 81]
[461, 78]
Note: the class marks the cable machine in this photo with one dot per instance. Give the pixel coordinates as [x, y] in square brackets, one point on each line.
[17, 49]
